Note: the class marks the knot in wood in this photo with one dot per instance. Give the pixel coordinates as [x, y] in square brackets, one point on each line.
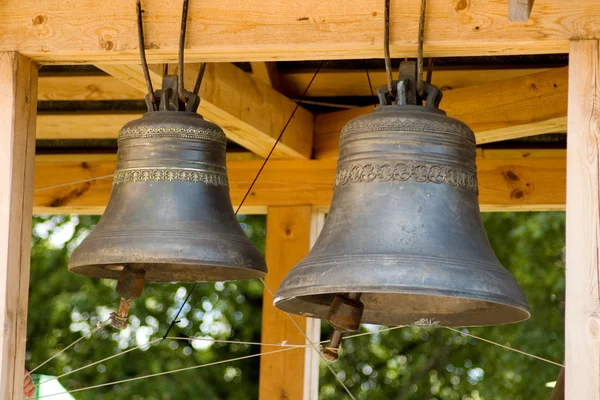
[593, 328]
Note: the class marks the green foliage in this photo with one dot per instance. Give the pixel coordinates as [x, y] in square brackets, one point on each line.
[65, 306]
[408, 363]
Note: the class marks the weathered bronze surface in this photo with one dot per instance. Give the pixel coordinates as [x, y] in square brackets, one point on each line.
[404, 228]
[170, 213]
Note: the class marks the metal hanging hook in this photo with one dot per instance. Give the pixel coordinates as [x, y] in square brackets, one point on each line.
[420, 49]
[199, 78]
[140, 29]
[180, 65]
[386, 49]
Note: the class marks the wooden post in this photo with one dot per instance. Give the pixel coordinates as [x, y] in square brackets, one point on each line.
[582, 316]
[285, 376]
[558, 393]
[18, 101]
[519, 10]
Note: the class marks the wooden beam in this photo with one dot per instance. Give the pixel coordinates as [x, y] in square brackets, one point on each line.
[288, 240]
[85, 88]
[582, 314]
[89, 125]
[267, 30]
[331, 83]
[511, 180]
[18, 100]
[558, 393]
[267, 73]
[523, 106]
[292, 83]
[519, 10]
[250, 112]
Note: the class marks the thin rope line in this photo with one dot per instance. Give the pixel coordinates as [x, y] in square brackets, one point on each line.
[168, 372]
[506, 347]
[96, 178]
[282, 344]
[370, 333]
[312, 344]
[279, 137]
[102, 360]
[179, 311]
[99, 326]
[369, 80]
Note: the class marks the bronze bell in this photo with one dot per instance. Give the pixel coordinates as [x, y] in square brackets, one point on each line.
[403, 243]
[169, 217]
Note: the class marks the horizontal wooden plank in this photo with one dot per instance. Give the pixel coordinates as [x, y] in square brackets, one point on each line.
[518, 107]
[328, 82]
[263, 30]
[85, 87]
[523, 180]
[89, 125]
[331, 83]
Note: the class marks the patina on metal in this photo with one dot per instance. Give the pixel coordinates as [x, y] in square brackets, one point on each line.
[404, 232]
[169, 217]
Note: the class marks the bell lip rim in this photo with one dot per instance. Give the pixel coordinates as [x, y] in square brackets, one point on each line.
[361, 289]
[280, 298]
[524, 311]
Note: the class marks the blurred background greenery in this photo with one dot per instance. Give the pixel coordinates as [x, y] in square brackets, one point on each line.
[408, 363]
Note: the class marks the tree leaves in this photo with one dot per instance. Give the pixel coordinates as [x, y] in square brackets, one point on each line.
[409, 363]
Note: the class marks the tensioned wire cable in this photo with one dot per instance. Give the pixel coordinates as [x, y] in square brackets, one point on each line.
[211, 340]
[282, 344]
[99, 326]
[318, 350]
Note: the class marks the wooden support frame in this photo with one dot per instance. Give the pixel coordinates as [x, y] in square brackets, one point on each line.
[85, 88]
[290, 375]
[518, 107]
[250, 112]
[524, 105]
[266, 72]
[84, 32]
[582, 315]
[18, 99]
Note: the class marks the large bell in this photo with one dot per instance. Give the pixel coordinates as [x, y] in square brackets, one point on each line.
[169, 217]
[403, 242]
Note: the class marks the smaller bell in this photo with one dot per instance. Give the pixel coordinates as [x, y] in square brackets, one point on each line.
[169, 217]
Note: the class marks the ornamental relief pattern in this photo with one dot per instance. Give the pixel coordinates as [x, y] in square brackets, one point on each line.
[173, 132]
[355, 173]
[407, 125]
[170, 175]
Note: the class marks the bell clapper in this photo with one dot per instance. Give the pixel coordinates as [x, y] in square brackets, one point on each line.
[130, 286]
[345, 314]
